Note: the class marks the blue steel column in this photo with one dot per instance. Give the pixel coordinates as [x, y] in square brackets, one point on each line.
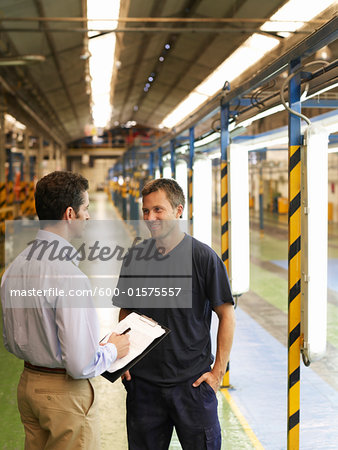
[190, 176]
[294, 269]
[151, 164]
[172, 159]
[225, 142]
[131, 196]
[160, 161]
[261, 217]
[124, 189]
[31, 167]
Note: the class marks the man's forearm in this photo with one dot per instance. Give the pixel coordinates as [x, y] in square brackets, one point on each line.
[225, 335]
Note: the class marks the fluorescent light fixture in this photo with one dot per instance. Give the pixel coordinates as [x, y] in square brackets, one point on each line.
[251, 51]
[15, 123]
[278, 139]
[239, 248]
[183, 109]
[304, 11]
[182, 180]
[215, 155]
[327, 88]
[266, 113]
[101, 62]
[314, 216]
[210, 138]
[329, 121]
[21, 60]
[202, 193]
[182, 149]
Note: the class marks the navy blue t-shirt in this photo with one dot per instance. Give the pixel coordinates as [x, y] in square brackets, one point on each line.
[202, 277]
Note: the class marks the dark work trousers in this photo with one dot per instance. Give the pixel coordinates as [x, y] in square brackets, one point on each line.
[153, 412]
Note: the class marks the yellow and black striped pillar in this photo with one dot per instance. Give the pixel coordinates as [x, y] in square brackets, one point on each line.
[225, 237]
[294, 298]
[2, 205]
[31, 191]
[190, 199]
[294, 263]
[10, 200]
[225, 142]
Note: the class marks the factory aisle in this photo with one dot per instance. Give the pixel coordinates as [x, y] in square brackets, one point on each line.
[253, 411]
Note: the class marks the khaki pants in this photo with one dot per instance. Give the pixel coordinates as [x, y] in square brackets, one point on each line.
[58, 412]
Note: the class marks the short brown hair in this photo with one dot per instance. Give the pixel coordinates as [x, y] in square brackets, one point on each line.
[172, 189]
[56, 192]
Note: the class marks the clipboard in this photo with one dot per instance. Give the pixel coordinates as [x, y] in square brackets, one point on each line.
[143, 321]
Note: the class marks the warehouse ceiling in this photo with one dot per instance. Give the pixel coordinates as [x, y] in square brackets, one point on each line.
[53, 97]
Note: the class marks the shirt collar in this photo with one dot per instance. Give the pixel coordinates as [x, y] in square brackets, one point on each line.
[49, 236]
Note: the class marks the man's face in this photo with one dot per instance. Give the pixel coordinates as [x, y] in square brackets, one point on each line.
[81, 217]
[160, 216]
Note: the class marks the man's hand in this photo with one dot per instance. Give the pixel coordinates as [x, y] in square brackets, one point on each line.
[209, 378]
[126, 376]
[121, 342]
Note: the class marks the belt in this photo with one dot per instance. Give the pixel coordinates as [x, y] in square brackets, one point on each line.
[58, 370]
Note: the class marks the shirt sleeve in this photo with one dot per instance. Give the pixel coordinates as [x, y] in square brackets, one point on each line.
[78, 333]
[217, 282]
[3, 304]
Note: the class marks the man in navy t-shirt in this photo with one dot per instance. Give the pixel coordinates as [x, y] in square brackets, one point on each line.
[174, 385]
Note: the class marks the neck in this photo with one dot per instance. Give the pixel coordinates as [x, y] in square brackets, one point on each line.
[170, 242]
[60, 229]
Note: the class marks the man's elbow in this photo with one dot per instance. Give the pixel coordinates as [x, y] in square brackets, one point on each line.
[226, 312]
[75, 369]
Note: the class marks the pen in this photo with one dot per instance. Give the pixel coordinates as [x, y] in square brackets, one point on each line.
[125, 331]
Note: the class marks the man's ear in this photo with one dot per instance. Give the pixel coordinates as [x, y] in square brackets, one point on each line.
[69, 213]
[179, 211]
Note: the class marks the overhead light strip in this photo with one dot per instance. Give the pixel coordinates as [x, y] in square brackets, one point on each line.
[251, 51]
[101, 61]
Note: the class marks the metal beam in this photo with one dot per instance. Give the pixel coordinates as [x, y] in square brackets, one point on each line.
[313, 103]
[103, 31]
[155, 20]
[102, 152]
